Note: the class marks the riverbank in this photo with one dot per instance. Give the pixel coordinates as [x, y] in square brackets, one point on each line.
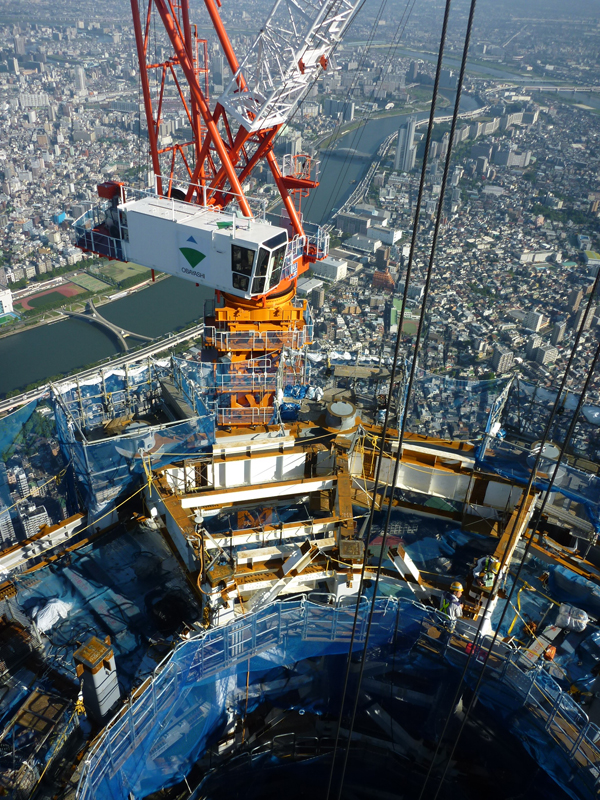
[47, 351]
[348, 127]
[480, 66]
[339, 177]
[54, 315]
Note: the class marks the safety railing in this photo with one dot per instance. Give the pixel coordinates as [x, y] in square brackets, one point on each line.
[317, 239]
[161, 715]
[255, 341]
[294, 250]
[245, 416]
[246, 382]
[308, 324]
[88, 238]
[562, 719]
[258, 205]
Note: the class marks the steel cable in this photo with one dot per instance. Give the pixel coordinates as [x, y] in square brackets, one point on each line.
[540, 511]
[521, 508]
[419, 331]
[369, 521]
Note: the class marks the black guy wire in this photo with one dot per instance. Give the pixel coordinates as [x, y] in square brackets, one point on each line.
[525, 554]
[369, 522]
[492, 592]
[538, 513]
[419, 331]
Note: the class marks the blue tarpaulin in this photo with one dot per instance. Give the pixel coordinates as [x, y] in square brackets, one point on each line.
[233, 669]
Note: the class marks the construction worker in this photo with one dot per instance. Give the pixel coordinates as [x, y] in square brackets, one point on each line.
[485, 571]
[451, 605]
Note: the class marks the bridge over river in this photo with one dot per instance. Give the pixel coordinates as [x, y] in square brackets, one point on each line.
[95, 317]
[345, 152]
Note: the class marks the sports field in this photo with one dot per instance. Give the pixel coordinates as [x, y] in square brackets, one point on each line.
[119, 271]
[50, 296]
[409, 327]
[89, 283]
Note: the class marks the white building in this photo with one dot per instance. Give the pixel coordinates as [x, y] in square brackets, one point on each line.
[332, 269]
[6, 304]
[502, 360]
[536, 256]
[7, 531]
[388, 236]
[32, 518]
[80, 79]
[363, 244]
[406, 151]
[547, 354]
[306, 285]
[22, 482]
[33, 100]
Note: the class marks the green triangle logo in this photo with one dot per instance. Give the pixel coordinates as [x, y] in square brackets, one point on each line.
[193, 257]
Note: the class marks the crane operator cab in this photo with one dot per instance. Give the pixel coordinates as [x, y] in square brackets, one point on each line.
[244, 257]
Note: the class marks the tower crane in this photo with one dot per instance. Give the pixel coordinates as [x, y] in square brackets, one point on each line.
[197, 222]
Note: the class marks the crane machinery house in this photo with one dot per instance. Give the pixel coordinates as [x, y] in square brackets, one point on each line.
[241, 256]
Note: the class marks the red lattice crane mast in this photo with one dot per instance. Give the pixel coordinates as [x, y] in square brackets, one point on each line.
[197, 222]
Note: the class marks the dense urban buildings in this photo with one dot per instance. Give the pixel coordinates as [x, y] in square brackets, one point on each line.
[518, 248]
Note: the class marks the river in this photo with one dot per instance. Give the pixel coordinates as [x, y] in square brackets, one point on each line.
[472, 66]
[339, 175]
[71, 344]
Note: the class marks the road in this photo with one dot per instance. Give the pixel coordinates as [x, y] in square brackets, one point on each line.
[166, 343]
[363, 186]
[93, 315]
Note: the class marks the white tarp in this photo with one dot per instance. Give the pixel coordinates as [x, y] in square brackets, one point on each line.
[47, 616]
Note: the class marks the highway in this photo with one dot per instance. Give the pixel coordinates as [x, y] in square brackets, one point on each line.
[159, 346]
[363, 186]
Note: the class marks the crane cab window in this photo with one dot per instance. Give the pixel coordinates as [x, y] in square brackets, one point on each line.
[280, 238]
[260, 276]
[278, 257]
[242, 261]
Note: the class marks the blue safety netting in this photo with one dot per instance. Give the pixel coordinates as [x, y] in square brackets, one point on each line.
[215, 380]
[11, 430]
[127, 585]
[195, 380]
[214, 384]
[106, 469]
[28, 440]
[451, 409]
[113, 392]
[515, 463]
[266, 657]
[528, 410]
[11, 427]
[107, 466]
